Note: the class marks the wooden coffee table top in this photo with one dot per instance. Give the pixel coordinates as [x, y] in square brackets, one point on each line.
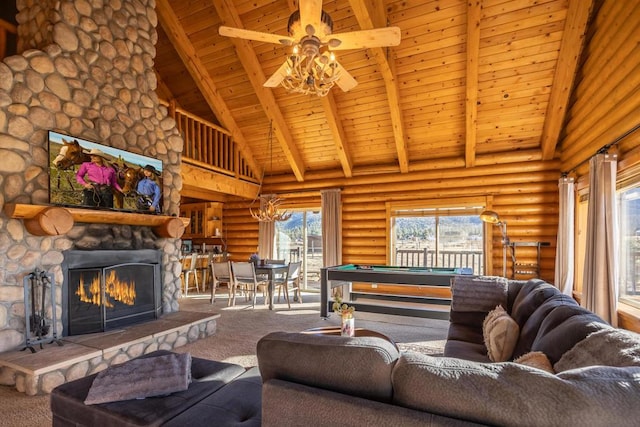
[359, 332]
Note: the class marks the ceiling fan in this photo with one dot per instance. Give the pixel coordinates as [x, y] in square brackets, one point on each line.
[312, 68]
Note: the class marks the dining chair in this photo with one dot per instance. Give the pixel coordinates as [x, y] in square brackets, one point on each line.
[204, 267]
[189, 269]
[244, 277]
[292, 277]
[221, 274]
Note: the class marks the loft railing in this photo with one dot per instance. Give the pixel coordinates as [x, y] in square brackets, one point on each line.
[209, 146]
[448, 259]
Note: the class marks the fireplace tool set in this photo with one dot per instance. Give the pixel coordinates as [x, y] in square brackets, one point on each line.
[40, 329]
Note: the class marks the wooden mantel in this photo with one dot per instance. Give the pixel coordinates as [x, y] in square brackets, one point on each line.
[44, 220]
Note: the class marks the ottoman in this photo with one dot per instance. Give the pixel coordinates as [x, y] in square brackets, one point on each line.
[238, 403]
[208, 376]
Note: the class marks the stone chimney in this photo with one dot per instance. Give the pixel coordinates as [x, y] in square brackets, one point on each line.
[85, 69]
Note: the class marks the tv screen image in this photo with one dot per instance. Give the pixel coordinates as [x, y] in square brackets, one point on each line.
[86, 174]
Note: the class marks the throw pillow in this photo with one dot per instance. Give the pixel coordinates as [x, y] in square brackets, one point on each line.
[607, 347]
[500, 333]
[536, 359]
[140, 378]
[478, 293]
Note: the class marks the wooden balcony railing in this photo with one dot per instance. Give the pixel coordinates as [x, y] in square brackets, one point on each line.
[448, 259]
[209, 146]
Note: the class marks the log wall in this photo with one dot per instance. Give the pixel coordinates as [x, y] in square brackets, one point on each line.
[607, 93]
[525, 195]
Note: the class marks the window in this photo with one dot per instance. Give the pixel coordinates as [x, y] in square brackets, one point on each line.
[300, 239]
[580, 241]
[629, 209]
[447, 235]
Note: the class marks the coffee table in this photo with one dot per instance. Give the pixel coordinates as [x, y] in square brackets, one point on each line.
[359, 332]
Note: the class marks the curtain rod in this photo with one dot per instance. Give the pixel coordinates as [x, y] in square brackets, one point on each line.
[603, 149]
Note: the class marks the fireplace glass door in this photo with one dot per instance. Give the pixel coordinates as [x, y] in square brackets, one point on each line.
[101, 299]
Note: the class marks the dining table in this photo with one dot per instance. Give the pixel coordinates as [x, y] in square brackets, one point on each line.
[271, 271]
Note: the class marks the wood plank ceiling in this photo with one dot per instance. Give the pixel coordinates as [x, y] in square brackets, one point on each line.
[470, 79]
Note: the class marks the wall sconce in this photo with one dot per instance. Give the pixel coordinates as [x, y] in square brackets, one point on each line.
[491, 217]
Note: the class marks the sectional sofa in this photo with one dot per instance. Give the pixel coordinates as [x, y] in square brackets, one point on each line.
[557, 364]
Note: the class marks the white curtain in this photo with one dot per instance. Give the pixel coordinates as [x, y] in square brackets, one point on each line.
[331, 227]
[600, 287]
[266, 236]
[565, 243]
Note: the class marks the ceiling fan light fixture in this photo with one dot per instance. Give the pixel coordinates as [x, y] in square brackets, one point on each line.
[312, 72]
[308, 70]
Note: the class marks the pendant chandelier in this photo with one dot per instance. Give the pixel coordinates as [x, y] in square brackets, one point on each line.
[270, 210]
[270, 204]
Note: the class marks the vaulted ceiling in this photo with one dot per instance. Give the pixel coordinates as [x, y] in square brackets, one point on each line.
[470, 79]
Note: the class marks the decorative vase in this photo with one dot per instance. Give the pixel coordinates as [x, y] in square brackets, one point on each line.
[348, 326]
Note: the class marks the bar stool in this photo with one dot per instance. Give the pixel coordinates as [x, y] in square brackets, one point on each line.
[189, 268]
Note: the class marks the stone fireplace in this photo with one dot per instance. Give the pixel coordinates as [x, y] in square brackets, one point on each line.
[83, 68]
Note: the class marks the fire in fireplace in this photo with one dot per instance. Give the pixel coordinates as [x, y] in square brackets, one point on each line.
[108, 289]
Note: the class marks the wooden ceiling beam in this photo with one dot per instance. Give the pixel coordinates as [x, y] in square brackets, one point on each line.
[198, 182]
[474, 15]
[371, 15]
[202, 79]
[229, 16]
[337, 130]
[572, 42]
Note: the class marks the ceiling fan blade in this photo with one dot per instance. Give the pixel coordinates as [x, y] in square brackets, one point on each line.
[379, 37]
[277, 77]
[310, 13]
[346, 80]
[241, 33]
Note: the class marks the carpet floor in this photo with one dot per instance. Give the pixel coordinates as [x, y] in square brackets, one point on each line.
[238, 330]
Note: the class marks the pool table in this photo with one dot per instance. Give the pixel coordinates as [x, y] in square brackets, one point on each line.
[331, 277]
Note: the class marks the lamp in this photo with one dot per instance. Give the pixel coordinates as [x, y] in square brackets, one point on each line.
[270, 204]
[492, 217]
[309, 71]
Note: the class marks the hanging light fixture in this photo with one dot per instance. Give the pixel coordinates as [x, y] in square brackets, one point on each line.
[270, 204]
[270, 210]
[309, 71]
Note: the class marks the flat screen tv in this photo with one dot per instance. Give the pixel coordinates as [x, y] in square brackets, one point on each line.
[86, 174]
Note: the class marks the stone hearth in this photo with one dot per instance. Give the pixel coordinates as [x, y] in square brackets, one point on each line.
[82, 355]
